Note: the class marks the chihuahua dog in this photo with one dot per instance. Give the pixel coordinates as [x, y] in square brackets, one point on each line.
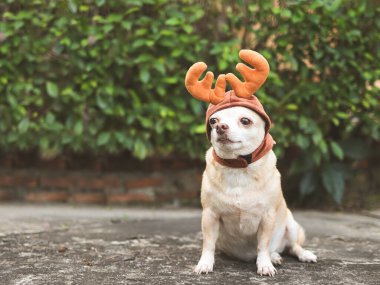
[244, 212]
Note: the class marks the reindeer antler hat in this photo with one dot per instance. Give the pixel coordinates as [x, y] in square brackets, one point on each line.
[241, 95]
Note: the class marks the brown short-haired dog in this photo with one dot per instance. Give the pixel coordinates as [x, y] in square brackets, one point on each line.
[244, 211]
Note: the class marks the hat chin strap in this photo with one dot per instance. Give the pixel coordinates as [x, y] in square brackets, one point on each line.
[244, 161]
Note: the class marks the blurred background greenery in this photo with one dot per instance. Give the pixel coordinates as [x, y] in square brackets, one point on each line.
[108, 76]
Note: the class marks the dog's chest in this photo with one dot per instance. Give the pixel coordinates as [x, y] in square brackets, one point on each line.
[240, 194]
[241, 199]
[241, 210]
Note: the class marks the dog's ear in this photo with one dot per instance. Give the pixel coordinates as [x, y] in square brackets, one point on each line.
[254, 78]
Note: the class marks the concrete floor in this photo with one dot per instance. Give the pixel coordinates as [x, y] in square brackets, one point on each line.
[95, 245]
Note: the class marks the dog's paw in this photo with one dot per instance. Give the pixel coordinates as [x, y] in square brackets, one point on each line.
[205, 265]
[266, 268]
[307, 256]
[276, 258]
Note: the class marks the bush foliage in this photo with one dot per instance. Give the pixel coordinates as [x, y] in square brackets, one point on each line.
[107, 76]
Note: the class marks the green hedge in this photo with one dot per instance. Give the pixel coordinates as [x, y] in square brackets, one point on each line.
[107, 76]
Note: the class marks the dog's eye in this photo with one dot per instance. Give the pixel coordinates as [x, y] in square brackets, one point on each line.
[245, 121]
[213, 121]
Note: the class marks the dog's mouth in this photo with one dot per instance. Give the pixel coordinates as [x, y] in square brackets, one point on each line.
[226, 141]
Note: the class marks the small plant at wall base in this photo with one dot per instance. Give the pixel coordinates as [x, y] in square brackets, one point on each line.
[107, 76]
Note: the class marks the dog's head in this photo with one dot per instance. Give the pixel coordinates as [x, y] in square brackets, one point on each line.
[236, 131]
[236, 121]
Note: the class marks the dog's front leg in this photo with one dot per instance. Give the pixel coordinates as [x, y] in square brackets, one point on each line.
[210, 231]
[264, 236]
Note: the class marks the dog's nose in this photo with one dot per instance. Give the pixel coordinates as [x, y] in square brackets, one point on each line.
[221, 128]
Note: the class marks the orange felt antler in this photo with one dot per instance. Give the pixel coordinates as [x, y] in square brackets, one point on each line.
[254, 78]
[201, 90]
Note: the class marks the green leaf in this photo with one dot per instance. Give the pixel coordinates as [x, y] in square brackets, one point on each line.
[44, 143]
[333, 181]
[114, 18]
[23, 125]
[172, 22]
[126, 25]
[144, 75]
[145, 122]
[316, 157]
[100, 2]
[103, 139]
[52, 89]
[308, 183]
[199, 129]
[292, 107]
[323, 146]
[332, 6]
[286, 13]
[72, 6]
[302, 141]
[50, 118]
[78, 127]
[301, 164]
[132, 10]
[337, 150]
[139, 149]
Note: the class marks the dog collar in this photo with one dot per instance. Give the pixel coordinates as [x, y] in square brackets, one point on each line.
[245, 160]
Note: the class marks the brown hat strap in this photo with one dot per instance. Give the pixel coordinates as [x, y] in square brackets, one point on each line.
[243, 161]
[239, 162]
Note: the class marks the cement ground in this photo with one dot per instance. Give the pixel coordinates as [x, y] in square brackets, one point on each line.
[94, 245]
